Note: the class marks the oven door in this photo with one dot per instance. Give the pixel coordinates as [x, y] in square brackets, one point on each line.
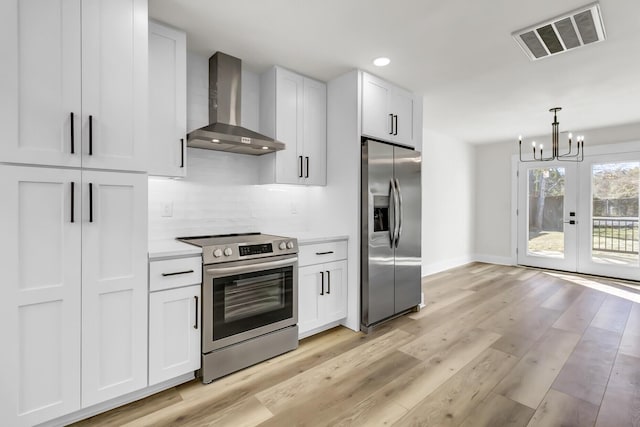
[245, 299]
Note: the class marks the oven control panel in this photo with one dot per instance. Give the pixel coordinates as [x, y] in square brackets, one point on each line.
[265, 248]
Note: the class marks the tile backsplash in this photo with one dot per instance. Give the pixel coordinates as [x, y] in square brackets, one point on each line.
[221, 195]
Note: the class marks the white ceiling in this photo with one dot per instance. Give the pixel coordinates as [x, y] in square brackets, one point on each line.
[478, 86]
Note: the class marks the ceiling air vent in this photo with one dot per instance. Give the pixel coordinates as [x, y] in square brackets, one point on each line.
[573, 29]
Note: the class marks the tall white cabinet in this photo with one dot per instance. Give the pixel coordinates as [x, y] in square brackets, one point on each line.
[74, 218]
[293, 110]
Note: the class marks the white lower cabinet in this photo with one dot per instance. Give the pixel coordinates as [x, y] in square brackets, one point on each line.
[73, 290]
[174, 317]
[322, 288]
[174, 333]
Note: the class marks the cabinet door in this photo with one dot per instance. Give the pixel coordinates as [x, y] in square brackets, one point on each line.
[40, 296]
[315, 132]
[174, 333]
[40, 84]
[167, 100]
[376, 117]
[289, 125]
[114, 84]
[309, 288]
[334, 300]
[114, 285]
[402, 109]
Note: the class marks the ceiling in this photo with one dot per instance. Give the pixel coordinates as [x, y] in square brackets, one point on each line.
[478, 85]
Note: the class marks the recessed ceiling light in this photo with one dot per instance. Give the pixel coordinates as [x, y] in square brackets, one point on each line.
[381, 62]
[215, 140]
[265, 148]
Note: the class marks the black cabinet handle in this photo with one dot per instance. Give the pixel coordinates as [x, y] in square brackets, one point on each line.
[391, 117]
[328, 282]
[195, 325]
[395, 127]
[181, 152]
[90, 202]
[73, 194]
[90, 135]
[300, 169]
[322, 283]
[324, 253]
[177, 272]
[73, 145]
[307, 174]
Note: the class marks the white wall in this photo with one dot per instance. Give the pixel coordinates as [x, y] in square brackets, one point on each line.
[493, 188]
[221, 192]
[448, 202]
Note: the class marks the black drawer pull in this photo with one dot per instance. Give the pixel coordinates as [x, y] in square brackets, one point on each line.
[177, 272]
[322, 283]
[324, 253]
[195, 326]
[328, 282]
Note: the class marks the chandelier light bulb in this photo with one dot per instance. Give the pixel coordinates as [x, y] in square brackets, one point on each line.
[533, 144]
[541, 146]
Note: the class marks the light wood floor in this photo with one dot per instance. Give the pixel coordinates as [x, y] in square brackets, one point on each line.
[494, 346]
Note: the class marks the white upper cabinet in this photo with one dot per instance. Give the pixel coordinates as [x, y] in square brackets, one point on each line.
[74, 83]
[294, 111]
[167, 100]
[40, 106]
[387, 111]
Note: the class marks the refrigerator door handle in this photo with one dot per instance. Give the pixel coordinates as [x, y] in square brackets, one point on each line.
[399, 217]
[392, 227]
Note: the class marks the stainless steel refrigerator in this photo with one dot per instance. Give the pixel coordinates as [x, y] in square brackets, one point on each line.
[390, 232]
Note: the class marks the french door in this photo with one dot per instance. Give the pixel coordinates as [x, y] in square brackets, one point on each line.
[547, 215]
[581, 217]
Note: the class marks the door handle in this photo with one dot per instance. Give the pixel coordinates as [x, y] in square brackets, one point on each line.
[328, 282]
[321, 283]
[90, 202]
[73, 146]
[300, 167]
[392, 196]
[395, 127]
[391, 117]
[195, 325]
[73, 193]
[181, 152]
[306, 175]
[90, 135]
[399, 218]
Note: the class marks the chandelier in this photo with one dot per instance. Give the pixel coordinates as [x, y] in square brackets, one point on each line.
[572, 155]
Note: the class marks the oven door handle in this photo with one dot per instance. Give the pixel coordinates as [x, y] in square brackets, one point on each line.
[223, 271]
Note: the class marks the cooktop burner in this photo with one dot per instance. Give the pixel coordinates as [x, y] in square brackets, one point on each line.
[239, 246]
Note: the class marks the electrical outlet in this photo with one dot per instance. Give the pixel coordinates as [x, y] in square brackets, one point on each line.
[167, 209]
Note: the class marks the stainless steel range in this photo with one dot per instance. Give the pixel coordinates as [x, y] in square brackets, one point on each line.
[249, 300]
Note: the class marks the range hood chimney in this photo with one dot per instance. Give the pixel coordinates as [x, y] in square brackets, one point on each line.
[224, 132]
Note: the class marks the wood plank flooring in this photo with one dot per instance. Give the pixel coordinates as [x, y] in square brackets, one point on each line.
[494, 346]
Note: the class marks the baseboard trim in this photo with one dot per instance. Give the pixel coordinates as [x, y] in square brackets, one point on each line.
[436, 267]
[492, 259]
[118, 401]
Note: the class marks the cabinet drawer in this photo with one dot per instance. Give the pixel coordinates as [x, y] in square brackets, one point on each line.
[322, 252]
[173, 273]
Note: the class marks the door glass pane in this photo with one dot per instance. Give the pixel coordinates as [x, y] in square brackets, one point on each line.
[546, 212]
[615, 212]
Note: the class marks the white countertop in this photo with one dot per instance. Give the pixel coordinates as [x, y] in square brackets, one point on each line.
[310, 238]
[171, 248]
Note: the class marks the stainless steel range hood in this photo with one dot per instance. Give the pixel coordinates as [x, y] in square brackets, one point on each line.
[225, 133]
